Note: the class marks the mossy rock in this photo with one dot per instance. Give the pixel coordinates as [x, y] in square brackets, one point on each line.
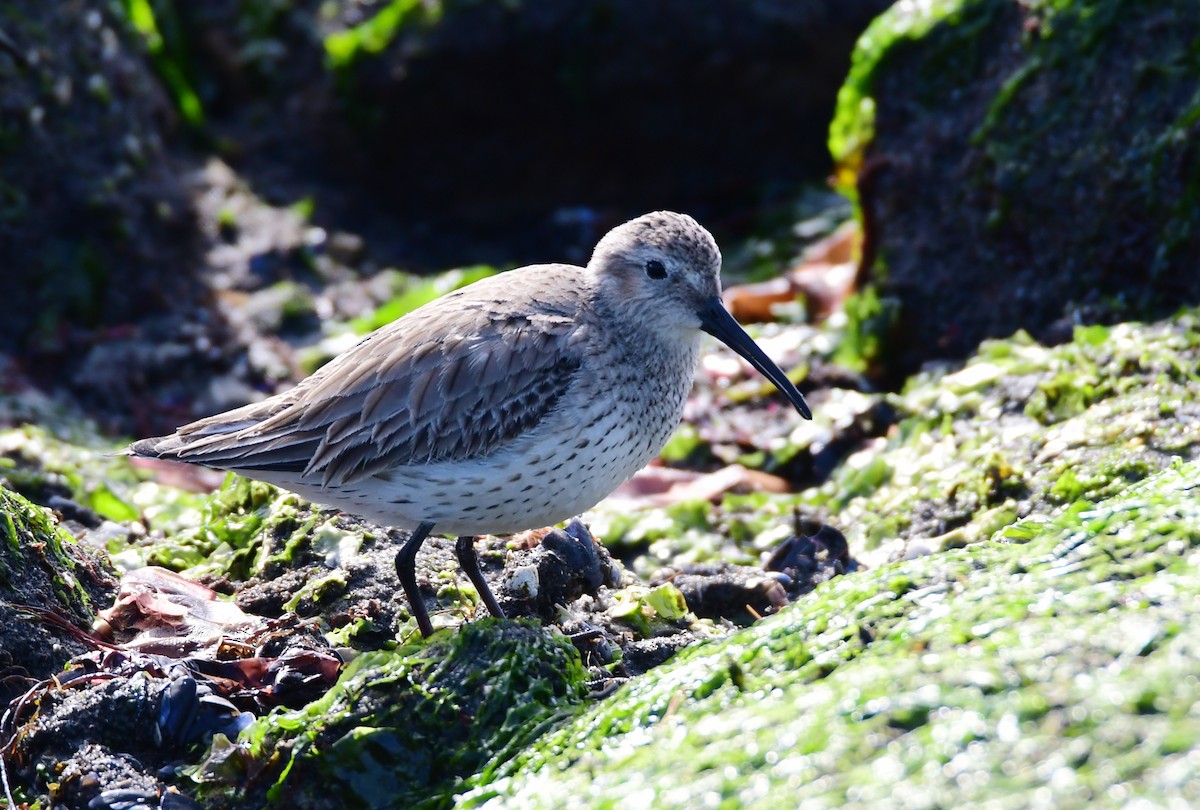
[50, 589]
[404, 728]
[1052, 618]
[1020, 429]
[1023, 165]
[1056, 664]
[1039, 642]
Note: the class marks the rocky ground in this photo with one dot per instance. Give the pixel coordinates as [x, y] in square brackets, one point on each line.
[968, 579]
[1028, 557]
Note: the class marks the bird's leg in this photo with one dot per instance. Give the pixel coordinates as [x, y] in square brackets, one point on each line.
[406, 569]
[464, 547]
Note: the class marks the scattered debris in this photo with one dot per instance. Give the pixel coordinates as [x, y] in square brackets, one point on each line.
[823, 278]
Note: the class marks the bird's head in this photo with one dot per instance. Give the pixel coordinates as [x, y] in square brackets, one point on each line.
[664, 270]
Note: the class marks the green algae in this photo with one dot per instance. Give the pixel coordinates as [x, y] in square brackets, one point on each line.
[685, 446]
[29, 531]
[167, 57]
[642, 608]
[868, 320]
[318, 590]
[419, 292]
[1026, 112]
[409, 292]
[243, 528]
[67, 459]
[404, 728]
[1071, 40]
[370, 38]
[1019, 429]
[1058, 664]
[853, 125]
[1024, 428]
[1008, 467]
[32, 539]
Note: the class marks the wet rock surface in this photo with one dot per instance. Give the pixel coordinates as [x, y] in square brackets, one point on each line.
[406, 725]
[1069, 633]
[194, 666]
[723, 591]
[1022, 440]
[92, 776]
[743, 594]
[113, 728]
[115, 717]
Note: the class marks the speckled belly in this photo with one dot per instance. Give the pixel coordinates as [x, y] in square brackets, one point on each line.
[571, 462]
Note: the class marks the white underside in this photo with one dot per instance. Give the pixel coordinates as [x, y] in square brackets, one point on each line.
[543, 479]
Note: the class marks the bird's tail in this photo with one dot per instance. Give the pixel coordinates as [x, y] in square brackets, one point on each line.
[190, 436]
[154, 447]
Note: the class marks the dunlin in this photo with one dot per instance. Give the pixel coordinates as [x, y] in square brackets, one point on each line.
[514, 403]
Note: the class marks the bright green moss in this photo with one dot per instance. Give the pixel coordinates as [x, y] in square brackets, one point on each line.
[35, 546]
[1064, 666]
[167, 58]
[853, 125]
[373, 36]
[404, 728]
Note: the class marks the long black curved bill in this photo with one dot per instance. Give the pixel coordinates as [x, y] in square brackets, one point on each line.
[717, 321]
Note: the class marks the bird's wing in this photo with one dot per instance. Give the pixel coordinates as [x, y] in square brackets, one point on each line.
[443, 383]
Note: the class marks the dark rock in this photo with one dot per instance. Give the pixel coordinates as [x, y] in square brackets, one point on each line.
[528, 128]
[814, 554]
[95, 227]
[644, 654]
[115, 718]
[566, 565]
[724, 591]
[49, 590]
[406, 726]
[84, 778]
[1030, 168]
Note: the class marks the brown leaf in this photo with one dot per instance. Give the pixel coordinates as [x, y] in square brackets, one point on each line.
[824, 276]
[663, 486]
[157, 610]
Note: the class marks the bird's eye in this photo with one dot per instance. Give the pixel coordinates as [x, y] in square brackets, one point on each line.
[656, 269]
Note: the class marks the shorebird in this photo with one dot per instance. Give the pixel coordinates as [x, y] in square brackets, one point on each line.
[516, 402]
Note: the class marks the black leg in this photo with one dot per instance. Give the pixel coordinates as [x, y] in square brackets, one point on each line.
[464, 548]
[406, 569]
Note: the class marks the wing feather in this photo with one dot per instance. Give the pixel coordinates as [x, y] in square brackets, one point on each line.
[444, 382]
